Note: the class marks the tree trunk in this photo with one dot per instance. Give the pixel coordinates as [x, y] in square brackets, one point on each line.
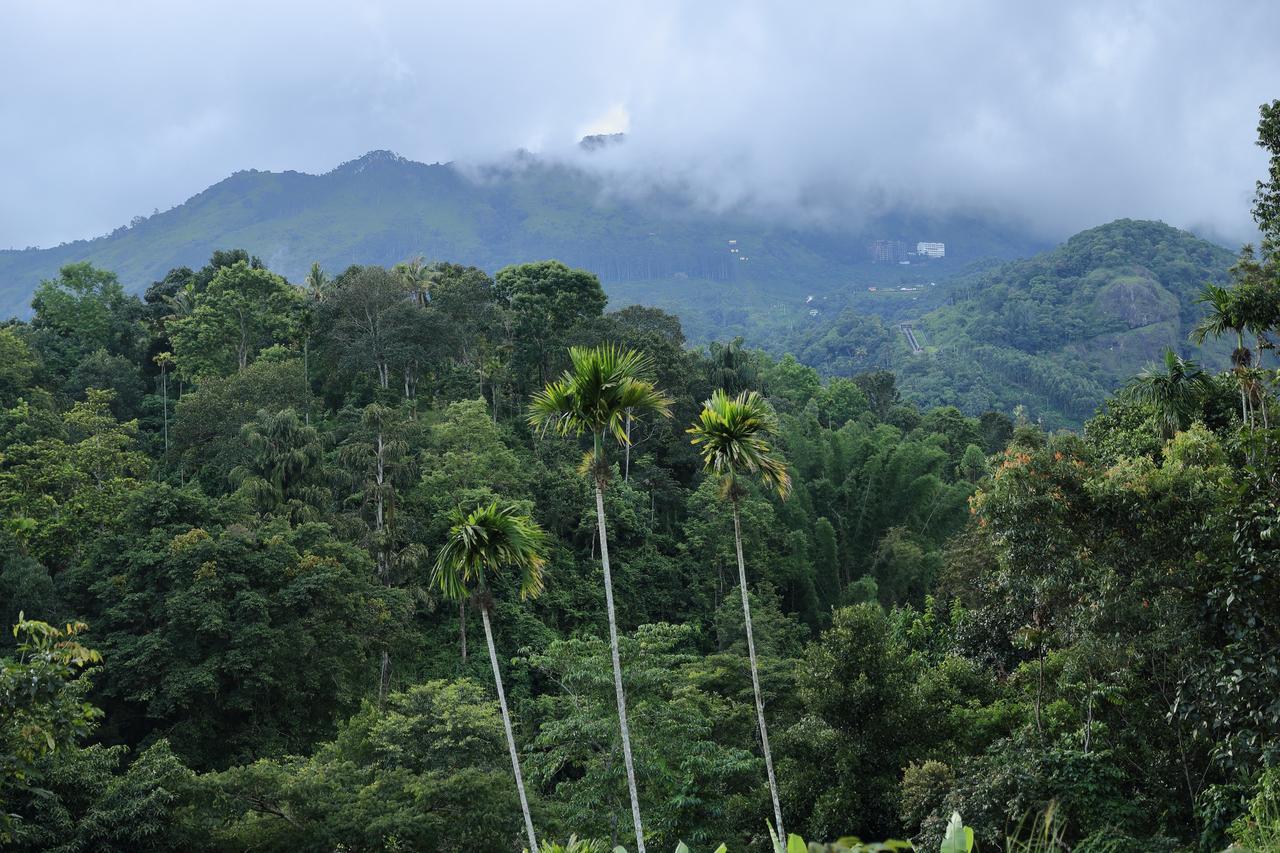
[384, 679]
[1244, 406]
[379, 478]
[755, 675]
[462, 628]
[306, 373]
[1088, 719]
[164, 386]
[1039, 688]
[506, 723]
[626, 465]
[617, 670]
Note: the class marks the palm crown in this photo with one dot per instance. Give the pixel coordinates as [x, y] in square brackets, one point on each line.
[486, 539]
[1177, 392]
[731, 434]
[595, 395]
[1226, 314]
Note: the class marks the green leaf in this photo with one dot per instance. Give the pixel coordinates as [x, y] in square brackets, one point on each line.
[959, 838]
[682, 848]
[795, 844]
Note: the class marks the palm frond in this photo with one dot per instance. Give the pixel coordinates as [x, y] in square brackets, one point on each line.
[485, 540]
[595, 395]
[732, 435]
[556, 408]
[1223, 316]
[1176, 390]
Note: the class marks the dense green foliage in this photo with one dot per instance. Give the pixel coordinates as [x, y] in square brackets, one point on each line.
[1055, 333]
[657, 248]
[282, 544]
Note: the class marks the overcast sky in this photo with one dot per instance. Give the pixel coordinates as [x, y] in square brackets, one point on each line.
[1062, 114]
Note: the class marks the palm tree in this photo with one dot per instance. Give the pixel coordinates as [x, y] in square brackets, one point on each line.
[732, 435]
[594, 396]
[418, 277]
[482, 542]
[165, 361]
[1257, 300]
[1226, 315]
[1177, 392]
[180, 305]
[283, 472]
[316, 285]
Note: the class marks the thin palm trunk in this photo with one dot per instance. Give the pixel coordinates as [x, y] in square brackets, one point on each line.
[1246, 416]
[164, 390]
[617, 670]
[306, 373]
[384, 679]
[755, 674]
[384, 676]
[462, 628]
[506, 723]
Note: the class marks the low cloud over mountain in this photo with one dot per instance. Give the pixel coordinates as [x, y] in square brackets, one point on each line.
[1060, 116]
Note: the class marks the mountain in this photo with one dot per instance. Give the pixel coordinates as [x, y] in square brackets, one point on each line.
[659, 248]
[1056, 332]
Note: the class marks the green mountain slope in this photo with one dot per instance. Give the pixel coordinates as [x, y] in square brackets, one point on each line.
[383, 209]
[1055, 333]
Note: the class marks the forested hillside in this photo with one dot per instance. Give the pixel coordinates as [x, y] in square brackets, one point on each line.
[658, 248]
[1055, 333]
[269, 534]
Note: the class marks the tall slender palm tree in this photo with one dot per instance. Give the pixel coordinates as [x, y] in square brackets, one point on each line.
[732, 435]
[603, 385]
[165, 361]
[482, 542]
[1226, 315]
[316, 285]
[1177, 392]
[1257, 298]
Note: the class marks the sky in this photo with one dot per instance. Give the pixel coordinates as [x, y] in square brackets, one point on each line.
[1057, 115]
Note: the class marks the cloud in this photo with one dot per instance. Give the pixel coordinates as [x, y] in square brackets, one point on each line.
[614, 121]
[1060, 115]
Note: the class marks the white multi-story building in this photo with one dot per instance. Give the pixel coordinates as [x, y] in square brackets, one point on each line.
[932, 250]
